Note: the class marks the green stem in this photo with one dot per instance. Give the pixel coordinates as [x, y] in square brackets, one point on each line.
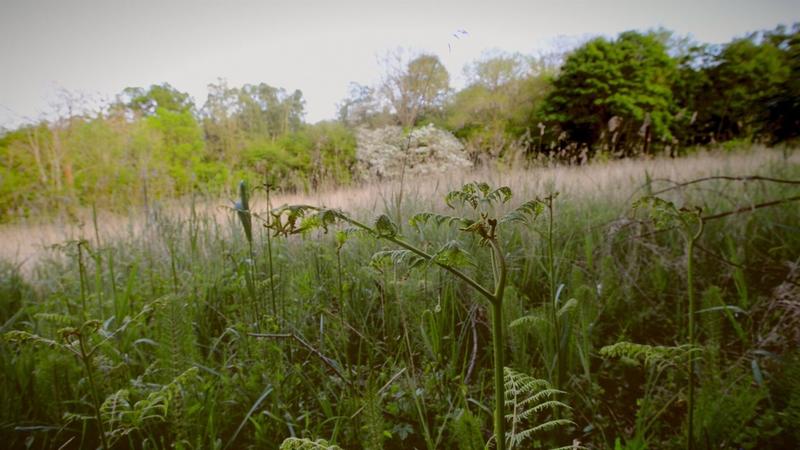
[466, 278]
[553, 298]
[499, 266]
[499, 385]
[428, 257]
[82, 277]
[691, 239]
[86, 359]
[269, 259]
[690, 371]
[339, 280]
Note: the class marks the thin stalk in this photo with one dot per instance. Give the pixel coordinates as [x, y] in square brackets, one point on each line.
[690, 371]
[269, 257]
[85, 358]
[82, 277]
[339, 282]
[553, 300]
[690, 243]
[499, 266]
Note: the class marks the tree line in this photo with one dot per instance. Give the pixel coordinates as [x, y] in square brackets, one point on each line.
[640, 92]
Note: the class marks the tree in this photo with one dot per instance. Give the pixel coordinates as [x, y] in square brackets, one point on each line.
[628, 78]
[156, 96]
[416, 88]
[495, 109]
[362, 106]
[746, 75]
[783, 108]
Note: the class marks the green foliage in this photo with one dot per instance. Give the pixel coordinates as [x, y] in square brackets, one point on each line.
[243, 211]
[649, 355]
[527, 399]
[306, 444]
[666, 215]
[494, 111]
[125, 415]
[148, 101]
[629, 78]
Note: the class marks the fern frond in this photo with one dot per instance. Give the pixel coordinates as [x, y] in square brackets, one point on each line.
[307, 444]
[649, 355]
[533, 320]
[58, 319]
[526, 397]
[523, 435]
[18, 337]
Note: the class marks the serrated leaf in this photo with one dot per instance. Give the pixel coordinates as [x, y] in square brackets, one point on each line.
[526, 212]
[385, 227]
[397, 257]
[453, 255]
[418, 220]
[502, 194]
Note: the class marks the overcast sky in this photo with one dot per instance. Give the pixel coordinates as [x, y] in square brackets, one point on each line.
[100, 47]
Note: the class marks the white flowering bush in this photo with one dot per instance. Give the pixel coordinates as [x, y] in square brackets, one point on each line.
[382, 152]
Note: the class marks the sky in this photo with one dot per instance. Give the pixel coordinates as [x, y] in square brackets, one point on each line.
[94, 49]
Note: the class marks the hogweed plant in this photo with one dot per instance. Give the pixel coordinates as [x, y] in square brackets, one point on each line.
[481, 202]
[690, 225]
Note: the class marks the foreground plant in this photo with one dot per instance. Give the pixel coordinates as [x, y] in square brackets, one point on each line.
[478, 198]
[84, 342]
[689, 222]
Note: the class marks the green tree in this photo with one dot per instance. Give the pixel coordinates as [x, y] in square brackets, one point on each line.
[783, 108]
[628, 79]
[497, 106]
[746, 75]
[414, 89]
[147, 101]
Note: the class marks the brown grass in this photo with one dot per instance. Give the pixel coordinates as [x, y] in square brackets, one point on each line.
[613, 181]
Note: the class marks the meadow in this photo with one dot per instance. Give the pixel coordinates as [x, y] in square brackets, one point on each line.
[206, 324]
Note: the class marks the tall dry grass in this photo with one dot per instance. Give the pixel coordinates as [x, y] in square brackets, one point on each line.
[613, 181]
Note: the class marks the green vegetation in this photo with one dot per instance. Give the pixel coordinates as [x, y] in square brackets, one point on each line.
[620, 310]
[197, 333]
[643, 92]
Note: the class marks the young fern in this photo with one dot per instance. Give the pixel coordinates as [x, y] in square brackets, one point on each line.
[84, 342]
[307, 444]
[124, 417]
[655, 359]
[526, 398]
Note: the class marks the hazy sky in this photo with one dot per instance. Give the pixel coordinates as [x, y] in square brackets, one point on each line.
[100, 47]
